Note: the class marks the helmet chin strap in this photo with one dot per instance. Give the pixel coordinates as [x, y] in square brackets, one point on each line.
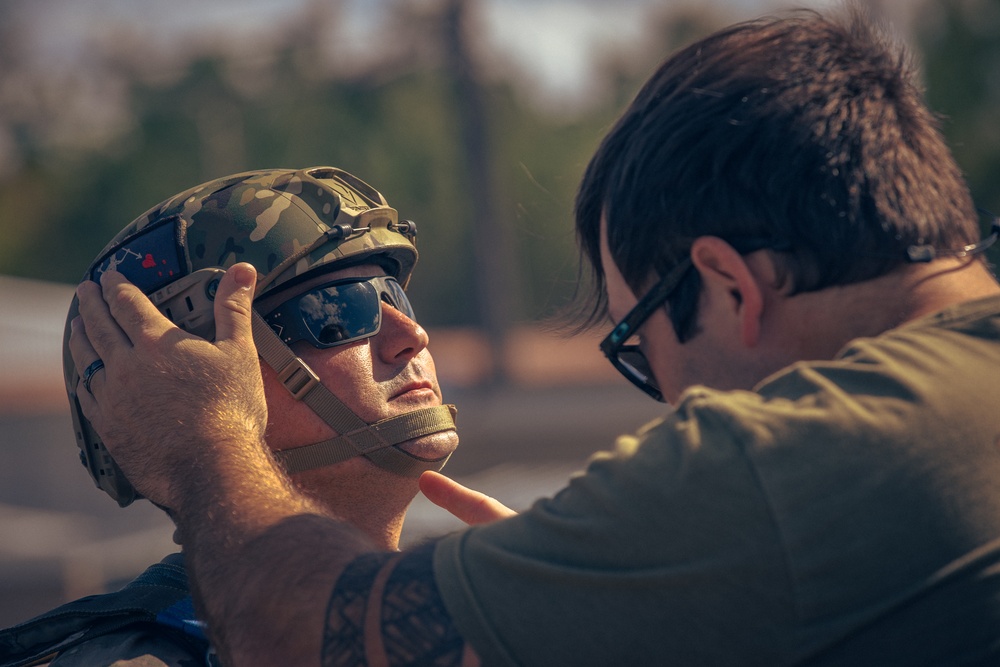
[374, 441]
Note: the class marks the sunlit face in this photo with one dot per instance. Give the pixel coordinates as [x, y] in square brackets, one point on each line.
[378, 377]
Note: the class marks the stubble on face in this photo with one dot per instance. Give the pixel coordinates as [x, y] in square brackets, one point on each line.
[375, 378]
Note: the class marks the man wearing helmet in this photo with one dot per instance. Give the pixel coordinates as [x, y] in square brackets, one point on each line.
[354, 407]
[779, 227]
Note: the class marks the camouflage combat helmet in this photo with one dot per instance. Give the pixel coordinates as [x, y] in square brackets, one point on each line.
[287, 223]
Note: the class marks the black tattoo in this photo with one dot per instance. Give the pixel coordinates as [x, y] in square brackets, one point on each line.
[416, 627]
[344, 633]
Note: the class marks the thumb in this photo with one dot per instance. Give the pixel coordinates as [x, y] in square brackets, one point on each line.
[233, 303]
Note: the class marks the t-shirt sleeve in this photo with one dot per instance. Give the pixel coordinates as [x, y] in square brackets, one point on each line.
[648, 548]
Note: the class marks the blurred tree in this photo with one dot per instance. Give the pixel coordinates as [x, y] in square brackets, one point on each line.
[496, 271]
[960, 43]
[388, 112]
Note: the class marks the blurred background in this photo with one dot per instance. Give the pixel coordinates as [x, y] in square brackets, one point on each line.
[474, 117]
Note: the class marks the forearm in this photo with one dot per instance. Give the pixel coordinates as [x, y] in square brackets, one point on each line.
[264, 559]
[269, 566]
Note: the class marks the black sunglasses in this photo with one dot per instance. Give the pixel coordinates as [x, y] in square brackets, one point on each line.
[339, 312]
[628, 359]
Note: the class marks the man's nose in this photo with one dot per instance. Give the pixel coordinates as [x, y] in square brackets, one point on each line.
[400, 338]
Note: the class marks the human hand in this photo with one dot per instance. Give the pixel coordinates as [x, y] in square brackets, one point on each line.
[470, 506]
[168, 404]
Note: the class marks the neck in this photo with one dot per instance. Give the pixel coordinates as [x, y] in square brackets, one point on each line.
[357, 492]
[832, 317]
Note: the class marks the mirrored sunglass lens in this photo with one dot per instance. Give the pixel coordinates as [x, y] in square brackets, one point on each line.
[398, 298]
[635, 363]
[341, 313]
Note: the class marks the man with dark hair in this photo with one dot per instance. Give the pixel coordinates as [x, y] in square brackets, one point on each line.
[790, 256]
[804, 137]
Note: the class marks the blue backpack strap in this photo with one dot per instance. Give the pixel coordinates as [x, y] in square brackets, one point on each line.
[158, 597]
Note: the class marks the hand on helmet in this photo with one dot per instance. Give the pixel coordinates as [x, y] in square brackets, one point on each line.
[168, 403]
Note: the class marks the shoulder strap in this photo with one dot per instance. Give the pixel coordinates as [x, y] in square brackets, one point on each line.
[157, 596]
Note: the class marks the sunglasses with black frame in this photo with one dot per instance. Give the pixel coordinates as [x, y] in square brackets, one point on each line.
[629, 359]
[342, 311]
[632, 363]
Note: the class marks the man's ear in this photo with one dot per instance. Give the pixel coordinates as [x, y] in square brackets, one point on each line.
[731, 283]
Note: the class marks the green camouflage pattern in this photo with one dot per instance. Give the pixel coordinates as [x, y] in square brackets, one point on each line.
[282, 219]
[286, 223]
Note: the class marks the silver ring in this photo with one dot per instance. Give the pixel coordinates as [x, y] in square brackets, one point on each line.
[88, 374]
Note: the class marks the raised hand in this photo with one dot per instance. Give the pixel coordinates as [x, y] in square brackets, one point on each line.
[166, 400]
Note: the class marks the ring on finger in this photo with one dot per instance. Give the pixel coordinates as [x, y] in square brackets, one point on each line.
[88, 374]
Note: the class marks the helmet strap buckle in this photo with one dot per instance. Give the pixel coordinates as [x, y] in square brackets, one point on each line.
[298, 378]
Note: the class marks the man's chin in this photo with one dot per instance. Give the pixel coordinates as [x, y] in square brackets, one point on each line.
[431, 447]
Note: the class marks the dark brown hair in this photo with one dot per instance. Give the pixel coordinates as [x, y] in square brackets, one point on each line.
[804, 130]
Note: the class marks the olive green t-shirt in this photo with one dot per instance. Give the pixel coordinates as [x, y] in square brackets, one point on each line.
[845, 512]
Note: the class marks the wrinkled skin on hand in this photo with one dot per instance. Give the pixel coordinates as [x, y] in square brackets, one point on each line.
[166, 401]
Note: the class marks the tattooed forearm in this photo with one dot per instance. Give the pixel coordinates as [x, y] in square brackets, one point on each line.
[344, 634]
[415, 626]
